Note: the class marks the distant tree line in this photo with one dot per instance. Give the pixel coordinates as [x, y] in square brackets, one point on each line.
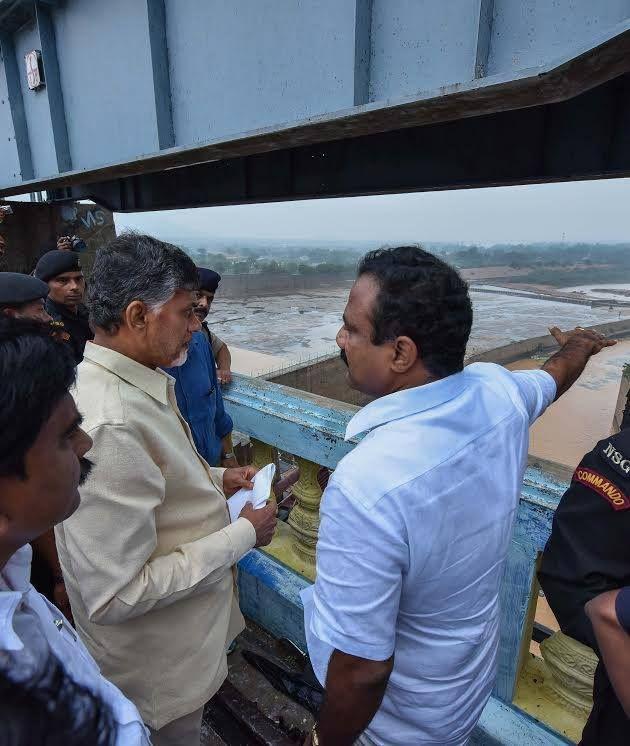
[251, 261]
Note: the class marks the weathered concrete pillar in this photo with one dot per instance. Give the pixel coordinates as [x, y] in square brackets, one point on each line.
[572, 668]
[304, 518]
[263, 454]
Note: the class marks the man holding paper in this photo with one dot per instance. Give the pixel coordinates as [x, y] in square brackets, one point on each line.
[148, 556]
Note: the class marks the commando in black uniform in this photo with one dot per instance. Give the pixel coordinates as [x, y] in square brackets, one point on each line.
[588, 553]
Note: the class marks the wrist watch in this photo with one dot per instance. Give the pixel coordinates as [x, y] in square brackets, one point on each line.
[314, 736]
[229, 455]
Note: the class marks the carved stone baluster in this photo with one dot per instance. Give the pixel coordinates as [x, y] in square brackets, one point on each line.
[572, 668]
[304, 518]
[263, 454]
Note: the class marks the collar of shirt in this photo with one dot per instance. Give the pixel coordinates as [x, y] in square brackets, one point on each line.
[14, 583]
[405, 403]
[155, 383]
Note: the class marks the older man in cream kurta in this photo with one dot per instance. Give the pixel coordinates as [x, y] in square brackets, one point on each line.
[148, 556]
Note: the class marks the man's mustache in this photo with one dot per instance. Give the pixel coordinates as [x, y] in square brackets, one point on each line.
[86, 467]
[342, 355]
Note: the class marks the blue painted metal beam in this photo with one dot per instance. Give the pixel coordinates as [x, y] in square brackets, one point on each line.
[583, 65]
[16, 104]
[156, 17]
[484, 36]
[362, 51]
[53, 86]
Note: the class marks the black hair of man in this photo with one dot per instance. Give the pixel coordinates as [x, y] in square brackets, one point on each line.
[423, 298]
[36, 373]
[136, 267]
[46, 707]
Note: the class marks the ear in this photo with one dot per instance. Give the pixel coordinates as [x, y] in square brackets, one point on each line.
[136, 316]
[405, 354]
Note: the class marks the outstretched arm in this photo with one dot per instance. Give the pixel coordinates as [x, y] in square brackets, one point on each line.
[576, 349]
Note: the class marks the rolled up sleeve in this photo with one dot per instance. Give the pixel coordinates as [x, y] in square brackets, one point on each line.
[111, 540]
[537, 389]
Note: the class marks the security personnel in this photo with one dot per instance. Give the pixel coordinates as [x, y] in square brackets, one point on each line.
[62, 272]
[208, 283]
[23, 296]
[588, 553]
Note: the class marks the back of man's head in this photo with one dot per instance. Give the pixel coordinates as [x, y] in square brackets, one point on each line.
[423, 298]
[36, 373]
[136, 267]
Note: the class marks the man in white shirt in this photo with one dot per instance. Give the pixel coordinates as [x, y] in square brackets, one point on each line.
[51, 686]
[416, 521]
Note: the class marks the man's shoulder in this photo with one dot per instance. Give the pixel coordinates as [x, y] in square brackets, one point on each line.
[377, 468]
[99, 396]
[611, 456]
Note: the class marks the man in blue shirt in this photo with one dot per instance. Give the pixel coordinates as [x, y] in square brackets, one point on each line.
[201, 404]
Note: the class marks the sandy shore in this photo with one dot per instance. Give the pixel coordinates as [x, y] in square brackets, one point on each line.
[252, 363]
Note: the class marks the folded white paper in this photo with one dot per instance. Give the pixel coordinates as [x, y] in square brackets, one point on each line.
[257, 497]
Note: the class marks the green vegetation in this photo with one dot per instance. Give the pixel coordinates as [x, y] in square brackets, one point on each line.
[295, 262]
[549, 264]
[555, 264]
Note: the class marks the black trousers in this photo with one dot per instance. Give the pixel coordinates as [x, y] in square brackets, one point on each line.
[607, 724]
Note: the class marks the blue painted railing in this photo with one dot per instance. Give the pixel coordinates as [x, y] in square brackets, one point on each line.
[313, 427]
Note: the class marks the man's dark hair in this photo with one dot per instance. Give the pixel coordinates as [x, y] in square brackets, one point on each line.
[423, 298]
[48, 708]
[136, 267]
[36, 372]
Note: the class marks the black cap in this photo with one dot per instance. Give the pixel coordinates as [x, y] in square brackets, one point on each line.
[16, 289]
[55, 263]
[208, 279]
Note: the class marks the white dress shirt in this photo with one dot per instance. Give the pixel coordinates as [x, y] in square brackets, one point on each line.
[44, 631]
[415, 526]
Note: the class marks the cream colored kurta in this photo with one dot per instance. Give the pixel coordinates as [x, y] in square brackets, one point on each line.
[148, 555]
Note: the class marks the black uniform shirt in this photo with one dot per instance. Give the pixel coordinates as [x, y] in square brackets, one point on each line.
[588, 551]
[76, 324]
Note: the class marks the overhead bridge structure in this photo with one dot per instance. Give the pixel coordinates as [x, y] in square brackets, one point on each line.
[158, 104]
[154, 104]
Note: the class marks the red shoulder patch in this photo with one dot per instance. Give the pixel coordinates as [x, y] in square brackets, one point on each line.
[604, 487]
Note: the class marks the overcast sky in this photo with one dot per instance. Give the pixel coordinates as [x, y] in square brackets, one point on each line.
[595, 211]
